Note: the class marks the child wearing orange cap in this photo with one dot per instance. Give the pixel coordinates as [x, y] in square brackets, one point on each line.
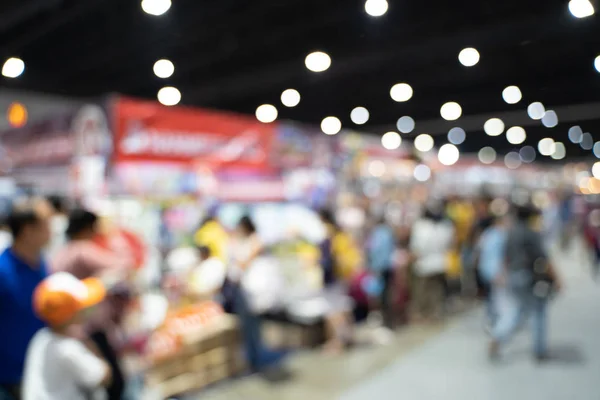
[58, 365]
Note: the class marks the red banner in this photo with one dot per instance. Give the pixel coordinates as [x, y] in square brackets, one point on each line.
[148, 131]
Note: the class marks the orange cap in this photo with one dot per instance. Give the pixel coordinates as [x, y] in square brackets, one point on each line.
[59, 297]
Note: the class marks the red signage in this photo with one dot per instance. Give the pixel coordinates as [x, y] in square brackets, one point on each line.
[148, 131]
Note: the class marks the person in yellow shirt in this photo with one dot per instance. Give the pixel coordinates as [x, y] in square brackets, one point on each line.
[212, 235]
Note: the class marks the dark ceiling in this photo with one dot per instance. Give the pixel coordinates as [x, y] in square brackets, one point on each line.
[238, 54]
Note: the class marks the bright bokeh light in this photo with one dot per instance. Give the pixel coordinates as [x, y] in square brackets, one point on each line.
[575, 134]
[376, 8]
[451, 111]
[516, 135]
[493, 127]
[546, 146]
[597, 63]
[512, 94]
[587, 141]
[156, 7]
[596, 170]
[581, 8]
[169, 96]
[596, 149]
[468, 57]
[405, 124]
[560, 151]
[536, 110]
[457, 135]
[266, 113]
[164, 68]
[331, 125]
[422, 173]
[17, 115]
[487, 155]
[527, 154]
[359, 115]
[550, 119]
[318, 61]
[13, 67]
[391, 140]
[290, 98]
[512, 160]
[377, 168]
[423, 142]
[448, 154]
[401, 92]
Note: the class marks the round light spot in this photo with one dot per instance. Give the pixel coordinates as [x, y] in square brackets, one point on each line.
[422, 173]
[550, 119]
[597, 63]
[487, 155]
[512, 160]
[156, 7]
[516, 135]
[560, 151]
[406, 124]
[169, 96]
[290, 98]
[266, 113]
[359, 115]
[587, 141]
[391, 140]
[512, 94]
[536, 110]
[596, 170]
[457, 135]
[468, 57]
[423, 142]
[596, 149]
[546, 146]
[163, 68]
[317, 61]
[493, 127]
[581, 8]
[401, 92]
[575, 134]
[527, 154]
[331, 125]
[17, 115]
[448, 154]
[377, 168]
[451, 111]
[376, 8]
[13, 67]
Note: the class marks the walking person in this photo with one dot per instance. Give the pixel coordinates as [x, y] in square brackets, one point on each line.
[381, 249]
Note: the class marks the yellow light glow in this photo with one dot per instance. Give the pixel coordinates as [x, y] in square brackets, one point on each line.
[17, 115]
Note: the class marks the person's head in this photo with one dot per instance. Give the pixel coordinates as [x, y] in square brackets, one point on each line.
[204, 252]
[61, 299]
[83, 225]
[58, 203]
[246, 227]
[434, 210]
[524, 213]
[29, 223]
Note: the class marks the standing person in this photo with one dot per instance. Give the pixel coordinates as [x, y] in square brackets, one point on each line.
[431, 241]
[22, 268]
[529, 280]
[59, 366]
[381, 249]
[84, 259]
[58, 224]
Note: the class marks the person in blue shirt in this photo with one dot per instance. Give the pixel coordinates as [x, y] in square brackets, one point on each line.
[22, 268]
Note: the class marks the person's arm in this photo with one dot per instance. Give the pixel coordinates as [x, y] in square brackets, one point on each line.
[256, 249]
[538, 252]
[84, 363]
[101, 262]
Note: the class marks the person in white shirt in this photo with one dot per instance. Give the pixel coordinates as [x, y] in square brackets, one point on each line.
[60, 364]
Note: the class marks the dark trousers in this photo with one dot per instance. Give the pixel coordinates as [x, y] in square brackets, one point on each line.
[251, 328]
[10, 392]
[117, 387]
[387, 308]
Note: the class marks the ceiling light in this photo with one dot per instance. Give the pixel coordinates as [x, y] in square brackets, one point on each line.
[156, 7]
[266, 113]
[597, 63]
[422, 173]
[405, 124]
[376, 8]
[391, 140]
[596, 170]
[457, 135]
[487, 155]
[512, 160]
[163, 68]
[581, 8]
[331, 125]
[169, 96]
[290, 98]
[448, 154]
[493, 127]
[377, 168]
[527, 154]
[512, 94]
[550, 119]
[546, 146]
[468, 57]
[575, 134]
[516, 135]
[587, 141]
[536, 110]
[423, 142]
[13, 67]
[451, 111]
[559, 151]
[359, 115]
[317, 61]
[401, 92]
[596, 149]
